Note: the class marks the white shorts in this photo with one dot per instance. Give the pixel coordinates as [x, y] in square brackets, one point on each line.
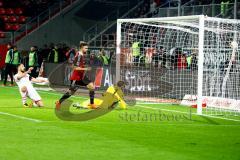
[31, 93]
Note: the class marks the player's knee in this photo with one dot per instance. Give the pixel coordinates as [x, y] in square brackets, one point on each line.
[91, 86]
[73, 89]
[24, 89]
[71, 93]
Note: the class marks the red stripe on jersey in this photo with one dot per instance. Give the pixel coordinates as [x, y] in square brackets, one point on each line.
[79, 61]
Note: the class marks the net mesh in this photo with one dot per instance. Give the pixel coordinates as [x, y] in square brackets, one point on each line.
[159, 60]
[222, 65]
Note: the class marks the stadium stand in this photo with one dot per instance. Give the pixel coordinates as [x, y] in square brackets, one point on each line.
[18, 20]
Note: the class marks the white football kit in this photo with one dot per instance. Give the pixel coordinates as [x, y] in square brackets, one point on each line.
[31, 92]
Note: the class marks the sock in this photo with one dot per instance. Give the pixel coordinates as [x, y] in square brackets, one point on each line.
[91, 95]
[24, 99]
[35, 104]
[65, 96]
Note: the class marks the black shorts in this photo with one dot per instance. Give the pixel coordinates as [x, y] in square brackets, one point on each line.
[75, 85]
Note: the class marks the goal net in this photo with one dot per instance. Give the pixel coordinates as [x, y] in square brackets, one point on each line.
[190, 60]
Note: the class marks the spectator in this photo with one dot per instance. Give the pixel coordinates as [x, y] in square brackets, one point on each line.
[163, 57]
[62, 49]
[182, 61]
[189, 61]
[45, 51]
[153, 6]
[53, 55]
[174, 54]
[157, 56]
[16, 59]
[33, 61]
[224, 7]
[94, 61]
[104, 59]
[39, 57]
[160, 56]
[9, 65]
[136, 51]
[158, 2]
[194, 60]
[70, 54]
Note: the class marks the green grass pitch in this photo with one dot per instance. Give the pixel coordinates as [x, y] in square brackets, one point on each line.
[36, 133]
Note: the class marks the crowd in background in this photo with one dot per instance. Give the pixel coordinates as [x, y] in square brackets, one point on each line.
[174, 58]
[159, 57]
[31, 7]
[52, 53]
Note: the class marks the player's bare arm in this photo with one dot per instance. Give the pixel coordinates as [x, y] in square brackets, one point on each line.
[38, 80]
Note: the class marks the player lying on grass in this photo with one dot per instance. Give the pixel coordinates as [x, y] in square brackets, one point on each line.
[79, 78]
[24, 82]
[113, 96]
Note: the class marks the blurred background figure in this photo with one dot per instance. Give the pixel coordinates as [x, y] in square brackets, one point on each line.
[53, 55]
[9, 65]
[16, 59]
[33, 61]
[103, 58]
[70, 54]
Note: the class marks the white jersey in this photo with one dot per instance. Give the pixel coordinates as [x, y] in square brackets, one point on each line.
[25, 81]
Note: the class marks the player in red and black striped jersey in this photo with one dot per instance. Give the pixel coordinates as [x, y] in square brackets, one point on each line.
[78, 78]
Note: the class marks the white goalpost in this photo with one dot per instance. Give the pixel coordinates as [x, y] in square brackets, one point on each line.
[190, 60]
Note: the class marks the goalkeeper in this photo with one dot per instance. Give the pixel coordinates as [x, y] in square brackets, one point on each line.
[113, 95]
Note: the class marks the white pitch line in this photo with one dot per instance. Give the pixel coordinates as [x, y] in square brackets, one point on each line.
[229, 119]
[165, 124]
[152, 108]
[153, 103]
[161, 109]
[21, 117]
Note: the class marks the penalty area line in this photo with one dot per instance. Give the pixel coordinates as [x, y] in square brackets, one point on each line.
[20, 117]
